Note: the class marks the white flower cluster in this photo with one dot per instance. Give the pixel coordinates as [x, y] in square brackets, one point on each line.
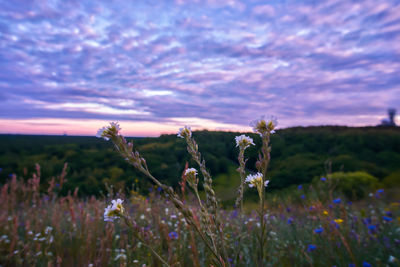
[263, 126]
[106, 131]
[255, 180]
[114, 210]
[191, 171]
[243, 141]
[185, 132]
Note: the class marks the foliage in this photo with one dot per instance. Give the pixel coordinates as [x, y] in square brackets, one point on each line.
[298, 154]
[354, 185]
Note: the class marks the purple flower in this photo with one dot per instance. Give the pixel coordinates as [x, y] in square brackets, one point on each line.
[311, 247]
[337, 201]
[290, 221]
[300, 187]
[366, 264]
[319, 230]
[302, 196]
[323, 179]
[388, 219]
[352, 265]
[159, 189]
[173, 235]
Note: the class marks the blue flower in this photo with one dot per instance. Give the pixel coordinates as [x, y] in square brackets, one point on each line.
[388, 219]
[159, 189]
[300, 187]
[366, 264]
[371, 227]
[290, 221]
[173, 235]
[319, 230]
[323, 179]
[380, 191]
[352, 265]
[337, 201]
[302, 196]
[311, 247]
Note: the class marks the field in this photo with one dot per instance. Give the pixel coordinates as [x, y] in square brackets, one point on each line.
[334, 219]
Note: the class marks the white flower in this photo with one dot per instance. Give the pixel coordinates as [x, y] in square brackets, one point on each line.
[101, 132]
[392, 259]
[255, 180]
[191, 171]
[263, 126]
[243, 141]
[114, 210]
[185, 132]
[109, 131]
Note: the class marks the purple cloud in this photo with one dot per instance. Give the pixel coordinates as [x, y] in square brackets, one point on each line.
[226, 61]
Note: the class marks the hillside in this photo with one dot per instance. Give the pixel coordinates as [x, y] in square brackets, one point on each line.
[298, 155]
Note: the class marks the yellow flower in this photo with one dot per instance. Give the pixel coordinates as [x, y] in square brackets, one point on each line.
[338, 221]
[325, 213]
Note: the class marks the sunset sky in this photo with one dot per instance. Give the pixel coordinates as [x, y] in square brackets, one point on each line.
[70, 67]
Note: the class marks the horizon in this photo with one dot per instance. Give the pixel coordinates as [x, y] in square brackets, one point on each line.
[70, 67]
[197, 130]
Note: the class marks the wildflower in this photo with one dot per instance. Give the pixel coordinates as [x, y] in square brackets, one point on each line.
[311, 247]
[290, 221]
[392, 259]
[109, 131]
[319, 230]
[120, 256]
[300, 187]
[263, 127]
[366, 264]
[255, 180]
[337, 201]
[191, 171]
[388, 219]
[303, 196]
[380, 191]
[243, 141]
[338, 221]
[114, 210]
[323, 179]
[173, 235]
[185, 132]
[372, 227]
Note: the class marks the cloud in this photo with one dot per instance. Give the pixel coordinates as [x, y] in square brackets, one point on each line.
[226, 62]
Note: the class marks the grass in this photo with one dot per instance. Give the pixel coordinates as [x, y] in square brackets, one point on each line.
[305, 227]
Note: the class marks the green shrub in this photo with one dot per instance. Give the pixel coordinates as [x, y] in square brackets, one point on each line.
[354, 184]
[392, 180]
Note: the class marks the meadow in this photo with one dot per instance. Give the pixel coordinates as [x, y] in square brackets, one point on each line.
[319, 223]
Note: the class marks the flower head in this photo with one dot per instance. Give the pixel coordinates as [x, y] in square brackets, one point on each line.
[311, 247]
[262, 126]
[255, 179]
[185, 132]
[190, 175]
[173, 235]
[114, 210]
[191, 171]
[108, 131]
[243, 141]
[338, 221]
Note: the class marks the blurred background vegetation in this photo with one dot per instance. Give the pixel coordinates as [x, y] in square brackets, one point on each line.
[367, 157]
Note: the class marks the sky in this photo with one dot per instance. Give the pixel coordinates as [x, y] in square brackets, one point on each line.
[70, 67]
